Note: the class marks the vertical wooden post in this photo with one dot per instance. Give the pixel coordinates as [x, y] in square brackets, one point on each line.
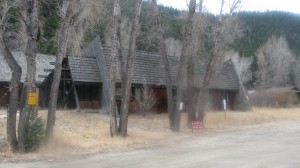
[36, 107]
[100, 97]
[76, 99]
[64, 84]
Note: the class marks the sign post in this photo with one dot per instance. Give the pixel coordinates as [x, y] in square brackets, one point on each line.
[32, 98]
[224, 106]
[33, 101]
[197, 125]
[181, 106]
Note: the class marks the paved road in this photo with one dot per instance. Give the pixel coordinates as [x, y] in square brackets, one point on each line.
[275, 145]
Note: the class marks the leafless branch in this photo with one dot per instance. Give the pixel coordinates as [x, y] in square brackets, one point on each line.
[222, 7]
[5, 6]
[85, 15]
[235, 6]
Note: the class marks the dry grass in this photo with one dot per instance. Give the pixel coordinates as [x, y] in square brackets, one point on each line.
[256, 116]
[3, 111]
[4, 147]
[89, 132]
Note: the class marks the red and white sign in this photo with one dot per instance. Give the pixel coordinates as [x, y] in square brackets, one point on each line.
[197, 124]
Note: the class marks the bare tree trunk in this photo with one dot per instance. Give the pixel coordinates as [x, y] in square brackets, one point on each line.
[112, 68]
[120, 46]
[15, 78]
[218, 38]
[183, 63]
[126, 88]
[163, 52]
[30, 16]
[191, 89]
[61, 53]
[190, 99]
[209, 71]
[201, 6]
[14, 91]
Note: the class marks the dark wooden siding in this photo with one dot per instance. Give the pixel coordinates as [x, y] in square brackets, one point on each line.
[89, 96]
[216, 100]
[161, 95]
[4, 95]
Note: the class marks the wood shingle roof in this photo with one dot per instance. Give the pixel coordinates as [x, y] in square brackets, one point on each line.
[84, 69]
[42, 62]
[148, 68]
[224, 77]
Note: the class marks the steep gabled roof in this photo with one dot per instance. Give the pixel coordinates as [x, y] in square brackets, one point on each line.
[84, 69]
[225, 77]
[42, 62]
[147, 68]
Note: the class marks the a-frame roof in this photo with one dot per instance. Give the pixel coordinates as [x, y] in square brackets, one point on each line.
[147, 68]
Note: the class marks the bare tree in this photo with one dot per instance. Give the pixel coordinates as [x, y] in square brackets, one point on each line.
[199, 24]
[183, 63]
[218, 39]
[146, 99]
[5, 9]
[29, 13]
[126, 86]
[275, 61]
[242, 65]
[77, 15]
[163, 52]
[61, 53]
[112, 66]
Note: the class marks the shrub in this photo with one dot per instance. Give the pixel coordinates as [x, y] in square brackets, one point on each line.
[274, 99]
[147, 100]
[34, 134]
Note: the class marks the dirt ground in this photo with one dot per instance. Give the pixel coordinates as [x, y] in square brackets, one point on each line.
[274, 144]
[87, 133]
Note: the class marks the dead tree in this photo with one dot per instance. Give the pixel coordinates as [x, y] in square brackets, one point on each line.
[183, 63]
[275, 60]
[163, 52]
[112, 67]
[29, 13]
[15, 78]
[146, 99]
[126, 86]
[191, 98]
[61, 54]
[218, 37]
[76, 15]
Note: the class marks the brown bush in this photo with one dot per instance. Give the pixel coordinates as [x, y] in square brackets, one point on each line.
[147, 100]
[274, 99]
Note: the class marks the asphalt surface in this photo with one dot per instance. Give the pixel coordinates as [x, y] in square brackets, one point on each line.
[274, 145]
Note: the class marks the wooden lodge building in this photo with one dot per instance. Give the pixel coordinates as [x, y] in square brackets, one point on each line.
[85, 84]
[42, 64]
[84, 81]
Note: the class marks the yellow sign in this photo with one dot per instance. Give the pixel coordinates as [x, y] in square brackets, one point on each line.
[32, 99]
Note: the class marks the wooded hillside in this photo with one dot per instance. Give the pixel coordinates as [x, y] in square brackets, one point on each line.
[258, 32]
[259, 27]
